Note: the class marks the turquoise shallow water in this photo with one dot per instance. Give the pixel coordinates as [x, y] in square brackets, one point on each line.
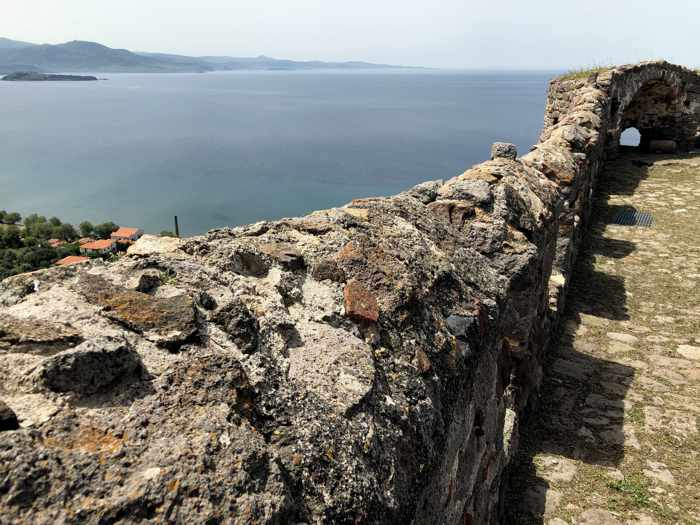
[232, 148]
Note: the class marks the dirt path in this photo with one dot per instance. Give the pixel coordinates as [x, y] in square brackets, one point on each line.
[616, 439]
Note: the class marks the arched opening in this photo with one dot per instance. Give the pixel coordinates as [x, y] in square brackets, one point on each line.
[661, 118]
[631, 138]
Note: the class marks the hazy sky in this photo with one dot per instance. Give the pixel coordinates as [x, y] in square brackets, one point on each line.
[529, 34]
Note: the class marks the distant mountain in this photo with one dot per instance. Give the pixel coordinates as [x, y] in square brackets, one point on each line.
[266, 63]
[6, 69]
[89, 56]
[6, 43]
[80, 56]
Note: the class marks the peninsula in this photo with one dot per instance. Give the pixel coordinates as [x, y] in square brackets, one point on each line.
[30, 76]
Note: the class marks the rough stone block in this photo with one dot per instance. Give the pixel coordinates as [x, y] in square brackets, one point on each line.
[504, 150]
[360, 304]
[238, 322]
[35, 336]
[90, 367]
[168, 321]
[8, 419]
[155, 245]
[148, 281]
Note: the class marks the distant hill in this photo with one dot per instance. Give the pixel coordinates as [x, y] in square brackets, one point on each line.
[80, 56]
[6, 43]
[89, 56]
[6, 69]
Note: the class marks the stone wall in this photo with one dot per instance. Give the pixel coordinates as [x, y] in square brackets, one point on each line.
[364, 364]
[584, 120]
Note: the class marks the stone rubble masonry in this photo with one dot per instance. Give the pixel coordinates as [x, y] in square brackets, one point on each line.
[503, 150]
[363, 364]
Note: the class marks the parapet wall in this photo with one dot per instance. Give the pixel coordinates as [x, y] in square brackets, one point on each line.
[365, 364]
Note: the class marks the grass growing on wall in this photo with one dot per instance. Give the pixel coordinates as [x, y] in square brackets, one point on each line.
[583, 73]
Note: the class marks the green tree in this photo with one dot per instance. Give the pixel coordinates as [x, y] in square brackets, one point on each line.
[8, 261]
[55, 221]
[32, 224]
[86, 228]
[3, 215]
[10, 237]
[42, 230]
[68, 233]
[36, 257]
[34, 219]
[13, 218]
[67, 249]
[104, 230]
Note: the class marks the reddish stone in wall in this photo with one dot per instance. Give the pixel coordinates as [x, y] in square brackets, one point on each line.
[359, 302]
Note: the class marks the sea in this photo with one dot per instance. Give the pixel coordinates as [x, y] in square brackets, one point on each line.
[230, 148]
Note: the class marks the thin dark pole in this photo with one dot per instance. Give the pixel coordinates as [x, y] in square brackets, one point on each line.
[177, 228]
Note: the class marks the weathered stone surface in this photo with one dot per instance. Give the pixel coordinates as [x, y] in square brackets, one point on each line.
[8, 419]
[689, 352]
[328, 269]
[167, 321]
[659, 472]
[557, 469]
[249, 261]
[474, 192]
[623, 338]
[148, 280]
[598, 517]
[423, 362]
[35, 335]
[90, 367]
[452, 211]
[426, 192]
[360, 303]
[503, 150]
[15, 288]
[333, 365]
[239, 323]
[153, 245]
[285, 254]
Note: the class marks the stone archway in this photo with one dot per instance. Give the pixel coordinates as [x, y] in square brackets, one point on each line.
[662, 115]
[662, 104]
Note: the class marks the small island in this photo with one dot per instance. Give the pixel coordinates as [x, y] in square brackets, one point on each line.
[30, 76]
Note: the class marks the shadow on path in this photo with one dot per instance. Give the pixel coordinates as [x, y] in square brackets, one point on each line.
[580, 415]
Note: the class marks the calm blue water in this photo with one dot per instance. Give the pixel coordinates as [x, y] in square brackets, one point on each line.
[232, 148]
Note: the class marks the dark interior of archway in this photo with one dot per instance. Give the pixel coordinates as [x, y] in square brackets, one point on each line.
[660, 113]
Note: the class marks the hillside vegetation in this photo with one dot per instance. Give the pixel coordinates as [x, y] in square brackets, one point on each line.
[24, 245]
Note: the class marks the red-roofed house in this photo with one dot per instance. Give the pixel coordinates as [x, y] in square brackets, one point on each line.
[100, 247]
[71, 259]
[127, 234]
[55, 243]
